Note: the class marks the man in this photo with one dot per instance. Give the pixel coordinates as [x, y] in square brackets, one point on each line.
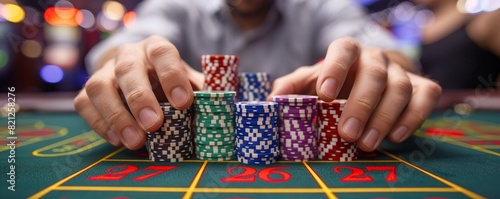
[120, 100]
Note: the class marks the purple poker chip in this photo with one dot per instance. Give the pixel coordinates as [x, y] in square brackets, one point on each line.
[296, 99]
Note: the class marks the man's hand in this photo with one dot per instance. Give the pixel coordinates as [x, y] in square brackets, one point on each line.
[383, 99]
[120, 100]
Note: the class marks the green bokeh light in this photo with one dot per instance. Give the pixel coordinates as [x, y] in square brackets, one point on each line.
[3, 58]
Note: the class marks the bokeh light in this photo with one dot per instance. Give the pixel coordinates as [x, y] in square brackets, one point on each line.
[63, 17]
[51, 73]
[4, 58]
[62, 34]
[86, 19]
[129, 19]
[31, 48]
[64, 55]
[113, 10]
[403, 12]
[105, 24]
[423, 17]
[12, 13]
[33, 17]
[64, 9]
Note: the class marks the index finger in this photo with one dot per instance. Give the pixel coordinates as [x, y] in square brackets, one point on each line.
[170, 71]
[341, 55]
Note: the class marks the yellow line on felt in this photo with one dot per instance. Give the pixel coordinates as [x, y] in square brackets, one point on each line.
[451, 184]
[319, 181]
[121, 188]
[477, 148]
[462, 144]
[255, 190]
[283, 162]
[196, 180]
[394, 189]
[329, 161]
[55, 185]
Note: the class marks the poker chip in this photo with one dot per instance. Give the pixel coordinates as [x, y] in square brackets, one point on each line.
[297, 130]
[221, 72]
[214, 125]
[254, 86]
[257, 132]
[330, 145]
[172, 142]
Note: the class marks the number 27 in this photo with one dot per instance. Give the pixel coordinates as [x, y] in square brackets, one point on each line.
[358, 174]
[121, 171]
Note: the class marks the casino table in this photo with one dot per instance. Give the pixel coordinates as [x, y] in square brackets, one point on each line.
[57, 155]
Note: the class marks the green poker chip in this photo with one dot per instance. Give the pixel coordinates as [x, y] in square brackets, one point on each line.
[203, 130]
[214, 94]
[216, 159]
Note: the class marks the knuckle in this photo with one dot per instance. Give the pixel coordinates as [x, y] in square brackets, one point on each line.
[403, 86]
[171, 74]
[79, 102]
[135, 95]
[162, 49]
[385, 118]
[379, 54]
[363, 105]
[419, 116]
[93, 86]
[115, 117]
[350, 44]
[123, 67]
[153, 38]
[379, 72]
[434, 90]
[97, 124]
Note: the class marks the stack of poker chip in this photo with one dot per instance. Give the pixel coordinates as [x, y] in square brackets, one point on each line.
[214, 125]
[221, 72]
[297, 129]
[172, 142]
[254, 86]
[257, 132]
[331, 146]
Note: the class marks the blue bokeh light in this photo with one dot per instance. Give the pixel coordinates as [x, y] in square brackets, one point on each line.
[51, 73]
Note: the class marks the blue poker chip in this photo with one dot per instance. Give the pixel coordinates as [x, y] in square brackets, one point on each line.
[258, 155]
[256, 161]
[251, 114]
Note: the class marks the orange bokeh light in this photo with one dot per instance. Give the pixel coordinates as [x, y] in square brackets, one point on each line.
[63, 16]
[129, 19]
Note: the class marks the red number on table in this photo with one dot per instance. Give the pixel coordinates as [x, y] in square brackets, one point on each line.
[391, 176]
[248, 174]
[158, 169]
[358, 174]
[265, 174]
[113, 174]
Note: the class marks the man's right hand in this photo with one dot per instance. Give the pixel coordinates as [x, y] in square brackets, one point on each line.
[120, 100]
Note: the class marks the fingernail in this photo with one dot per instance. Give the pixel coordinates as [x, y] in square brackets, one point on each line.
[371, 138]
[112, 138]
[179, 96]
[130, 136]
[148, 117]
[399, 134]
[351, 128]
[329, 88]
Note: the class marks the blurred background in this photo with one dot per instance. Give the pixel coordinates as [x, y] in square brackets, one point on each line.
[43, 42]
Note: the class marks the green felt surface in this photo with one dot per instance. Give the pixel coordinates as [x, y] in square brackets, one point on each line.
[58, 156]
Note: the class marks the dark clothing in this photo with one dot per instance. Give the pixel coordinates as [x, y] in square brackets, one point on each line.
[457, 62]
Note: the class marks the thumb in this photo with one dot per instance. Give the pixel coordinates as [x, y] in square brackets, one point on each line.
[300, 81]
